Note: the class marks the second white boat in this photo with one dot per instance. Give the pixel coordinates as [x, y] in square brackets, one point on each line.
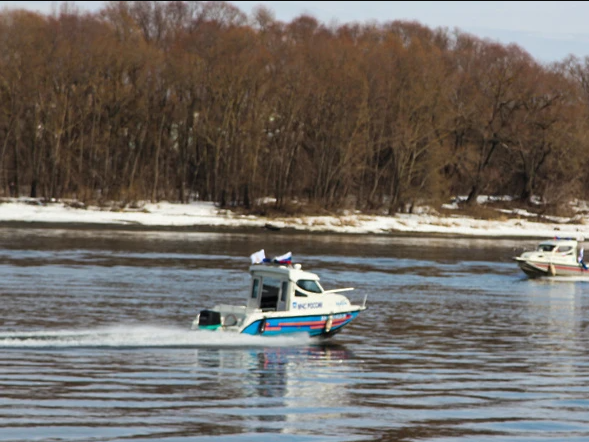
[556, 257]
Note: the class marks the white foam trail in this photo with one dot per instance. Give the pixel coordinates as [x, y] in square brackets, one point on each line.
[144, 336]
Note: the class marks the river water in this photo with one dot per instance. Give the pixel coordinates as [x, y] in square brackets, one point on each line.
[457, 344]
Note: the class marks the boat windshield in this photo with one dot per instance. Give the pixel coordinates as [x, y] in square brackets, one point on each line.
[546, 247]
[309, 285]
[565, 249]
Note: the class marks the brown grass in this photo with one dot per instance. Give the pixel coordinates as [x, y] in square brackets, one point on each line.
[287, 210]
[478, 212]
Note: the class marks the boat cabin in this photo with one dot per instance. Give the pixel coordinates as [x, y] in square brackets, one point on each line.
[559, 247]
[276, 287]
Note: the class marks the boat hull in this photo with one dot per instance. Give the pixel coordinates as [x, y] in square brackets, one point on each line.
[535, 269]
[314, 325]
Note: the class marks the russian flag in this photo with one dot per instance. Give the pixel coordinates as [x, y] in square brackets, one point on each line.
[284, 259]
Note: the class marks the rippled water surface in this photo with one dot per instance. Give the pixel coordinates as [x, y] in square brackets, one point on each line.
[457, 344]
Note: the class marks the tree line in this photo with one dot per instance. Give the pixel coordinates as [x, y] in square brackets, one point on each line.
[192, 100]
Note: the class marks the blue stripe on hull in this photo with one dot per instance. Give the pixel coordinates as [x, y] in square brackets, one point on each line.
[313, 325]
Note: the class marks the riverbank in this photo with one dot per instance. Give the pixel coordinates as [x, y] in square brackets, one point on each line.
[205, 216]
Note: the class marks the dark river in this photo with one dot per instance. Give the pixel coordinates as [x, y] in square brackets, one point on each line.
[457, 344]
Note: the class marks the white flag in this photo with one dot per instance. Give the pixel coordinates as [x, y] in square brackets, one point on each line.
[258, 257]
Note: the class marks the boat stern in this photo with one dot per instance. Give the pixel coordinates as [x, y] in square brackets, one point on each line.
[221, 317]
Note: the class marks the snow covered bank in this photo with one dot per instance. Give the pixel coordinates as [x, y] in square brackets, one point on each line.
[206, 214]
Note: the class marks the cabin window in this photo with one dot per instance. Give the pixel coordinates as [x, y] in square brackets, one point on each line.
[283, 291]
[546, 248]
[255, 288]
[309, 285]
[269, 298]
[565, 249]
[299, 294]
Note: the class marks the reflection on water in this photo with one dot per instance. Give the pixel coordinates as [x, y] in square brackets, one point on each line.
[279, 388]
[457, 344]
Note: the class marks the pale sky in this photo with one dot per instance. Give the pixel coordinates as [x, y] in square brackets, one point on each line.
[548, 30]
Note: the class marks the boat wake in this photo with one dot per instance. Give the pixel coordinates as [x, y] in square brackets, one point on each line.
[143, 337]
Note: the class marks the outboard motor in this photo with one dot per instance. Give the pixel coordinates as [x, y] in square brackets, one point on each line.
[209, 319]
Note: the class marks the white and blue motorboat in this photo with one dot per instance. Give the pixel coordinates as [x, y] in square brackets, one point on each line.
[283, 298]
